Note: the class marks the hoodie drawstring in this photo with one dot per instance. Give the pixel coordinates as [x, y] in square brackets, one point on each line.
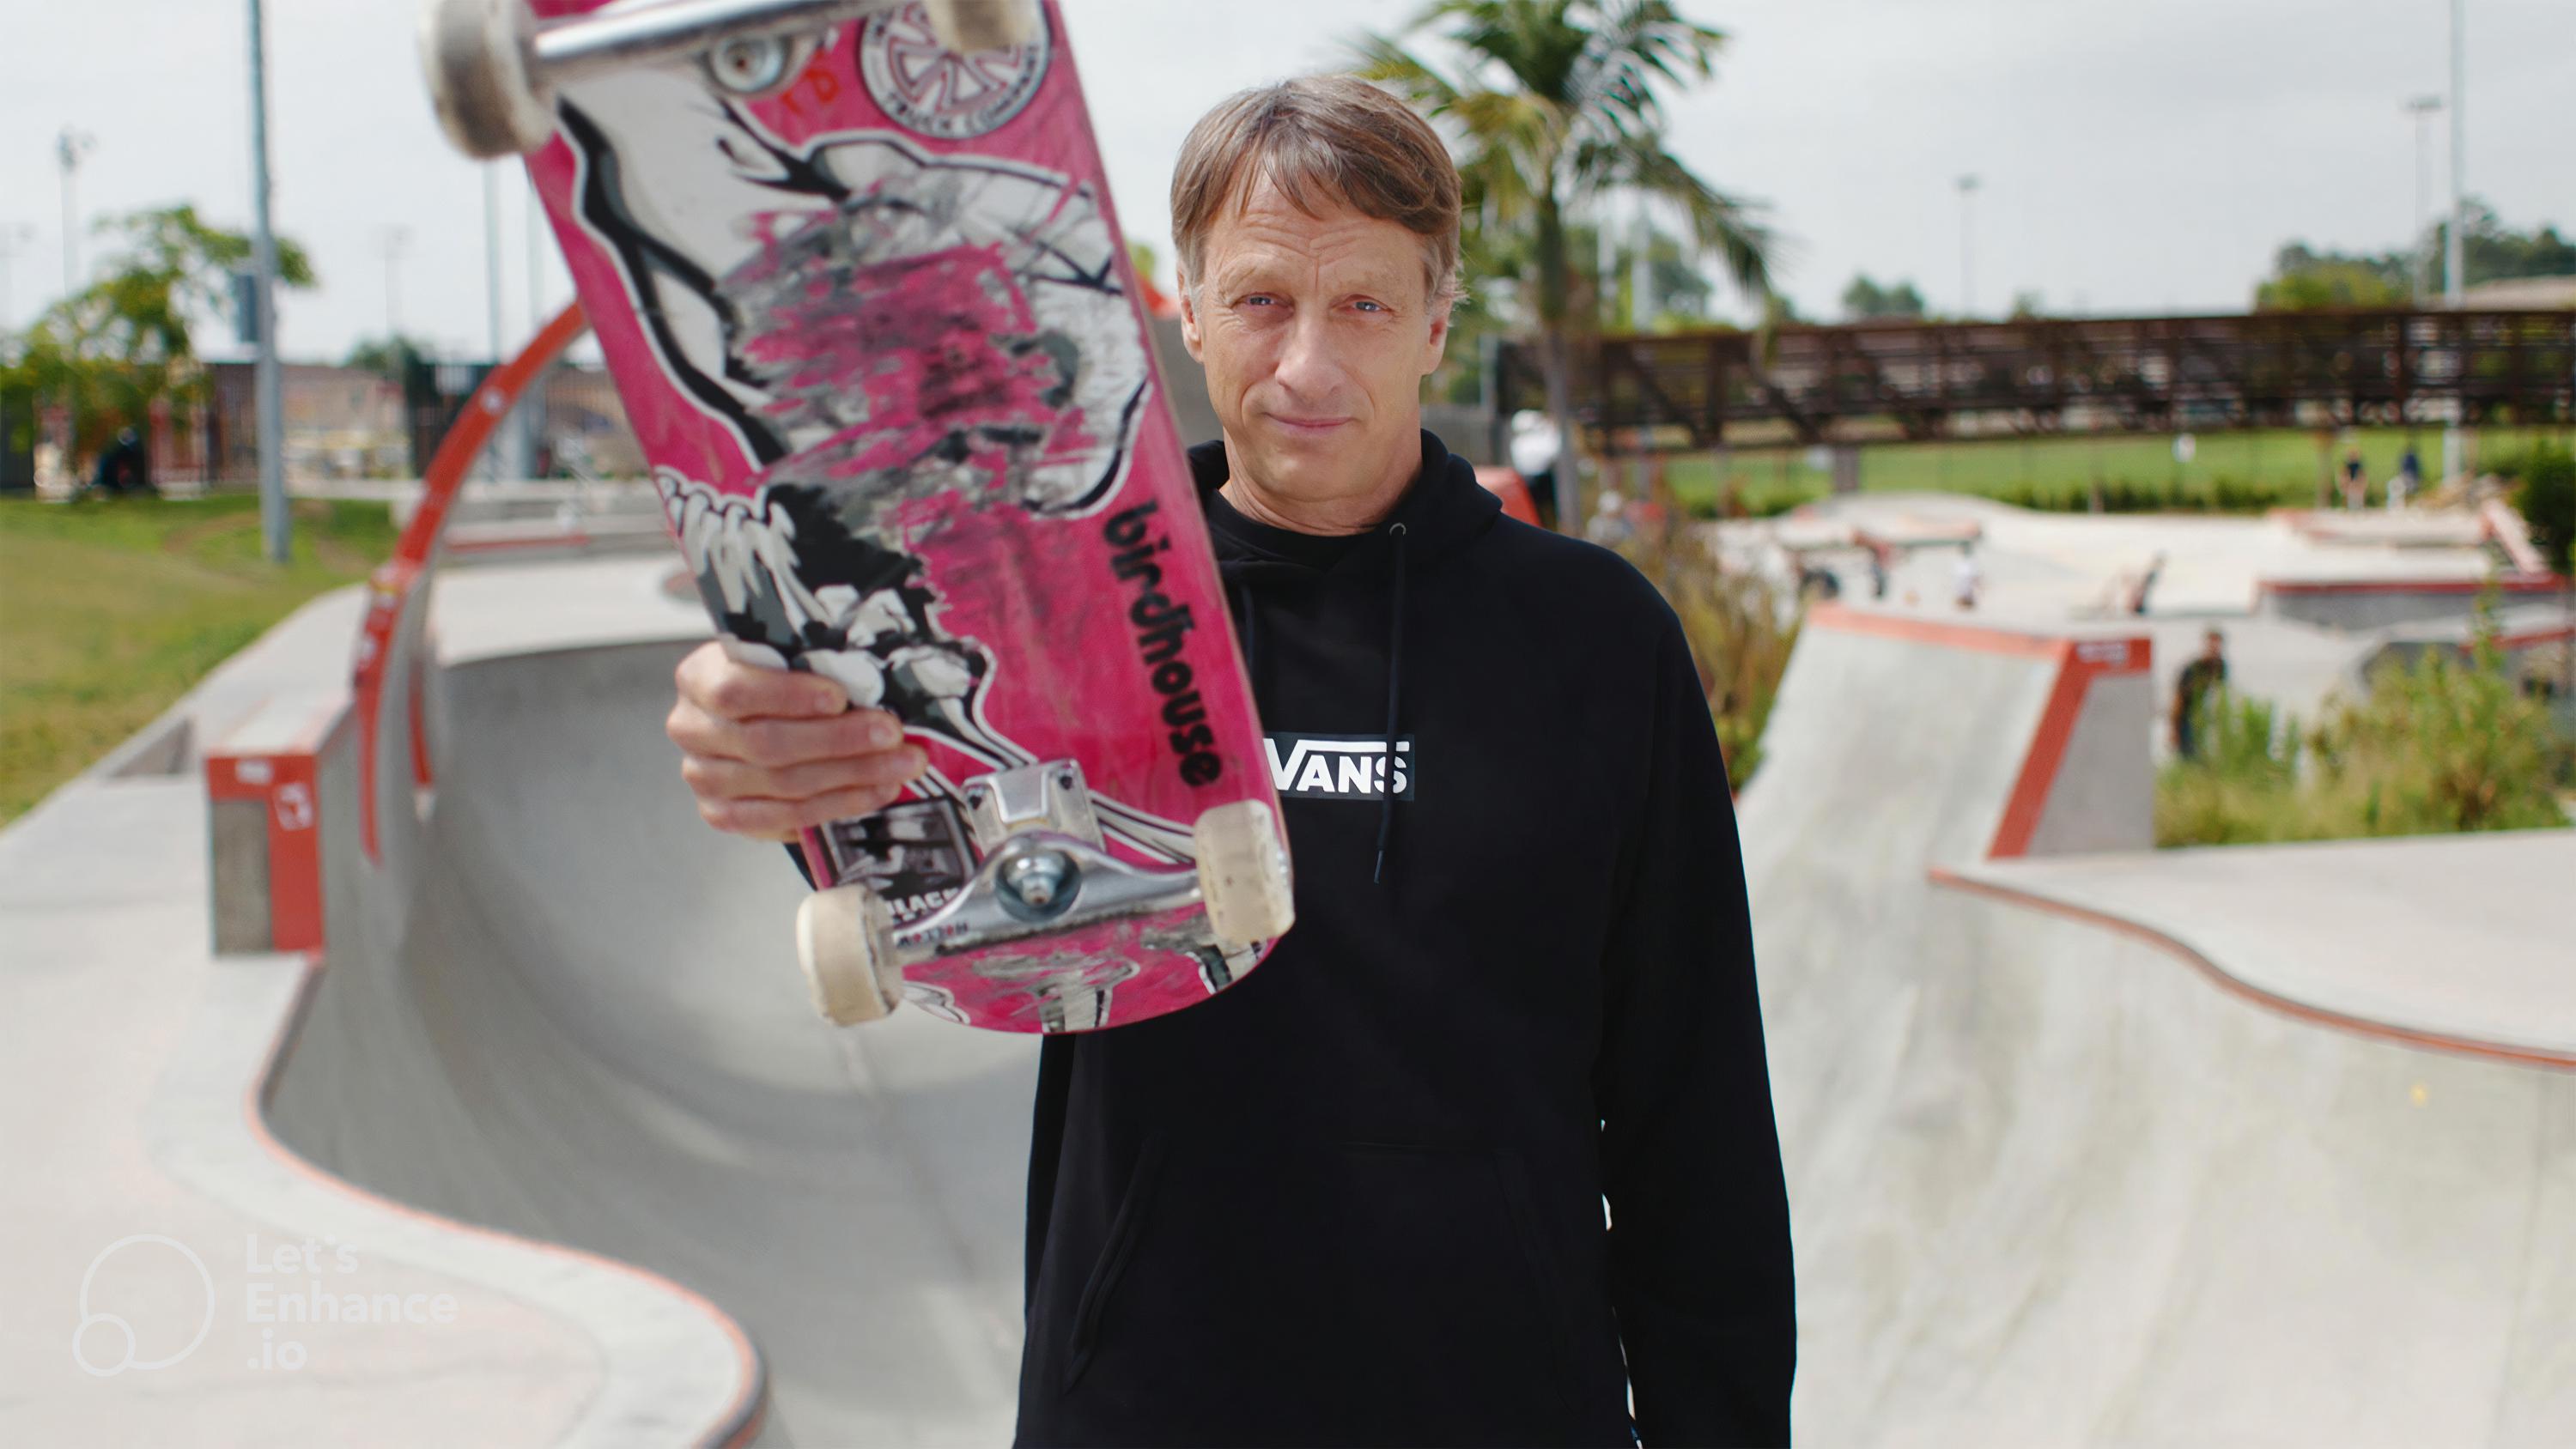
[1394, 697]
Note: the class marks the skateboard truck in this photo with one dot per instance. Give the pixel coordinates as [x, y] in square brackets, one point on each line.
[1045, 869]
[493, 68]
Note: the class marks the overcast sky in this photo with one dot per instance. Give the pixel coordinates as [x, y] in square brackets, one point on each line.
[2145, 156]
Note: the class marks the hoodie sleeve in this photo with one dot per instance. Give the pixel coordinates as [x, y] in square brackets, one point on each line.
[1699, 1237]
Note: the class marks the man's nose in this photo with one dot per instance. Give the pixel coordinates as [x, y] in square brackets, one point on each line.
[1308, 363]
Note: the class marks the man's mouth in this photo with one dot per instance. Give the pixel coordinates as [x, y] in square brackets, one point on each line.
[1308, 425]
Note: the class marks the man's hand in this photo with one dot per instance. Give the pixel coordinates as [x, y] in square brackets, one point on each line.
[769, 751]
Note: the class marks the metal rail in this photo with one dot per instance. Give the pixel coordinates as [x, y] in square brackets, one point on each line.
[600, 43]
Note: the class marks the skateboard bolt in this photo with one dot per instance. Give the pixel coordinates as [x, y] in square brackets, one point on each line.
[749, 66]
[1041, 881]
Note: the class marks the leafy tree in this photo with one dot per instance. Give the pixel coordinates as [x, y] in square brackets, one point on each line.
[2028, 305]
[2494, 252]
[1554, 105]
[1865, 300]
[108, 352]
[2303, 279]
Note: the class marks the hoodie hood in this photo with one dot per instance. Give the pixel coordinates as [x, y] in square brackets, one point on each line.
[1444, 510]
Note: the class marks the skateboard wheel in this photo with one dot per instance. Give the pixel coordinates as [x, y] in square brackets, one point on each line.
[480, 56]
[1243, 873]
[967, 26]
[845, 941]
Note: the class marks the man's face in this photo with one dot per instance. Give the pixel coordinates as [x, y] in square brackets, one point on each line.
[2212, 646]
[1316, 334]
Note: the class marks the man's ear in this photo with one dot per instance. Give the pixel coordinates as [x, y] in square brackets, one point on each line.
[1436, 346]
[1190, 322]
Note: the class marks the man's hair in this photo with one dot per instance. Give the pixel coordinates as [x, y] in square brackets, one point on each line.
[1323, 140]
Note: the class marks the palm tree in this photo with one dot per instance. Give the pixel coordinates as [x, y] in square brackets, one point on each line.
[1556, 106]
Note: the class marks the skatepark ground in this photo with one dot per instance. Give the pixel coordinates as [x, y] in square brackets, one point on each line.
[2086, 1142]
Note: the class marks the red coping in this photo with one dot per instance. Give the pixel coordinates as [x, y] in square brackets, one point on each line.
[390, 588]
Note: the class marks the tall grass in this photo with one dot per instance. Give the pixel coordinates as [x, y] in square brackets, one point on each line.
[2439, 746]
[1739, 627]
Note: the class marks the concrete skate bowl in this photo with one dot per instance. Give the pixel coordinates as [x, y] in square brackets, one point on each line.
[561, 1006]
[2054, 1180]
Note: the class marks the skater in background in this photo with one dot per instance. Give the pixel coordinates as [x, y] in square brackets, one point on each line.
[2356, 483]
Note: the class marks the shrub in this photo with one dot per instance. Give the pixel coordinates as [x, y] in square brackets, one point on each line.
[2241, 786]
[1739, 628]
[2544, 493]
[2438, 747]
[2442, 746]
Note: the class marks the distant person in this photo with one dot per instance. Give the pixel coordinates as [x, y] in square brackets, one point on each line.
[2410, 479]
[2199, 678]
[2356, 484]
[123, 468]
[1878, 553]
[1535, 448]
[1967, 579]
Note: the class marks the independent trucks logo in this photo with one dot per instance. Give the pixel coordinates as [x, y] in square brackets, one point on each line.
[1338, 767]
[919, 83]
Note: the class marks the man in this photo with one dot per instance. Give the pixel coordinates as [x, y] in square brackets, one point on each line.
[1359, 1198]
[2199, 678]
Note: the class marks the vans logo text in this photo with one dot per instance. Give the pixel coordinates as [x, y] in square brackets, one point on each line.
[1338, 767]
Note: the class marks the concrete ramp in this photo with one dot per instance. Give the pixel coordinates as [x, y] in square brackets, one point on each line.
[575, 1014]
[2051, 1182]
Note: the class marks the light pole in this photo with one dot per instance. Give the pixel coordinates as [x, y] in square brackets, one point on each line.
[532, 405]
[274, 523]
[2453, 255]
[492, 253]
[1967, 269]
[70, 147]
[2423, 108]
[536, 259]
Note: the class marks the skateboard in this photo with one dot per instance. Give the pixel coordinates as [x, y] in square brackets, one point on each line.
[856, 274]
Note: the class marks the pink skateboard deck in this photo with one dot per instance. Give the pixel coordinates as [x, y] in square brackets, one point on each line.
[876, 329]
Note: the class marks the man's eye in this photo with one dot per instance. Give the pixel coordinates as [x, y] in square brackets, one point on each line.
[1378, 305]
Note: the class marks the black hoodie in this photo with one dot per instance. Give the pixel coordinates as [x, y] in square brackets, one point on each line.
[1358, 1198]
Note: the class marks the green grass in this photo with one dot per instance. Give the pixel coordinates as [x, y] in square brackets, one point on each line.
[111, 609]
[2231, 472]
